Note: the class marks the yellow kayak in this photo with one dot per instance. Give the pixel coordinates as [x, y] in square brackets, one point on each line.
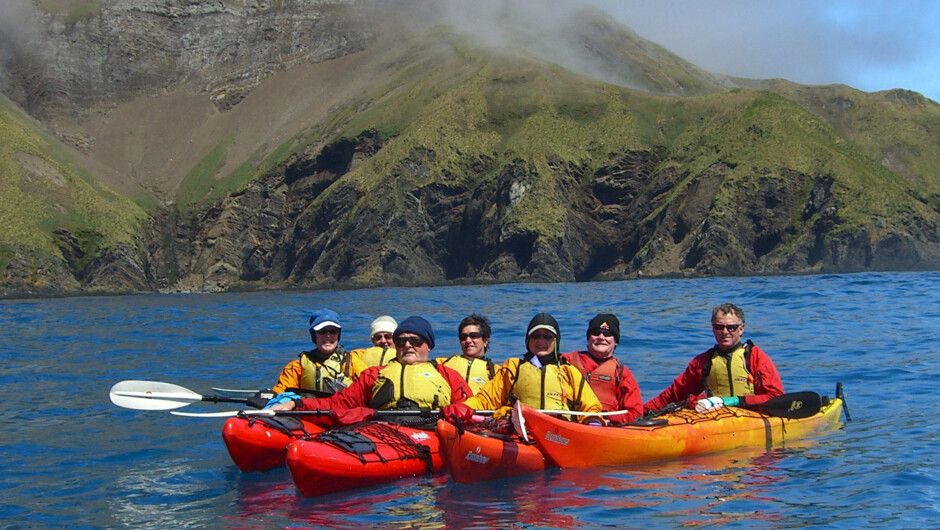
[673, 435]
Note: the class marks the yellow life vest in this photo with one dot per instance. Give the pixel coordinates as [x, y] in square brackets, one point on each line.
[376, 356]
[729, 375]
[330, 376]
[540, 387]
[476, 372]
[410, 386]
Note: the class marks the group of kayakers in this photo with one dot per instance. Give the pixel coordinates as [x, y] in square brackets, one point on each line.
[398, 372]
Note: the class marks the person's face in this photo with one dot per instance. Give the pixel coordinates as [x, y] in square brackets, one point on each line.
[601, 343]
[411, 349]
[472, 342]
[327, 339]
[541, 342]
[383, 339]
[727, 338]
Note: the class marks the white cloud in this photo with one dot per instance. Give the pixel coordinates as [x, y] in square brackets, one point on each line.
[872, 45]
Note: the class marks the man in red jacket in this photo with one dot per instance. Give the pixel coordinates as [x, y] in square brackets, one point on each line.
[729, 374]
[410, 382]
[611, 381]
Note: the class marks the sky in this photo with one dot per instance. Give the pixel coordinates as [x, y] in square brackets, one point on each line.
[870, 45]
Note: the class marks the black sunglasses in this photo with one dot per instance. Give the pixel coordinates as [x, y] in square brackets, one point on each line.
[472, 335]
[386, 336]
[414, 341]
[730, 327]
[600, 331]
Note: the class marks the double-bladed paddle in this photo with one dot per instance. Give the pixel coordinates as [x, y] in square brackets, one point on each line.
[154, 395]
[793, 406]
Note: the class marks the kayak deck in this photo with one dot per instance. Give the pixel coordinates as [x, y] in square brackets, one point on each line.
[361, 455]
[260, 444]
[474, 454]
[685, 433]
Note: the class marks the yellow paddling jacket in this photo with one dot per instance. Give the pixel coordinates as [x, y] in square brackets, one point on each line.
[374, 356]
[476, 372]
[552, 387]
[307, 373]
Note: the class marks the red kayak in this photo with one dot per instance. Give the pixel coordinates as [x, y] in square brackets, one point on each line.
[361, 455]
[260, 443]
[475, 453]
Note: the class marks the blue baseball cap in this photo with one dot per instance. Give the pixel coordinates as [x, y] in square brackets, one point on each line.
[323, 318]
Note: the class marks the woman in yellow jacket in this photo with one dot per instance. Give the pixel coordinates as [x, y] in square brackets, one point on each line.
[539, 380]
[472, 363]
[325, 369]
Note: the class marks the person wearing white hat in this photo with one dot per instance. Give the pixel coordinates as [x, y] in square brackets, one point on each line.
[383, 346]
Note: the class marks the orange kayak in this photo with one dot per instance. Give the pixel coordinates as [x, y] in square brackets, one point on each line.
[475, 454]
[260, 444]
[683, 433]
[361, 455]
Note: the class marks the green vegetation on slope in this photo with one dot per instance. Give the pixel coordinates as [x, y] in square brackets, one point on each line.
[43, 190]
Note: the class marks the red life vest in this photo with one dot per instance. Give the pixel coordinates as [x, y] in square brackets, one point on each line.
[604, 380]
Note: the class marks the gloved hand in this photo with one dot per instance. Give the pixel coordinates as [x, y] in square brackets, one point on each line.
[714, 403]
[709, 404]
[353, 415]
[502, 412]
[594, 422]
[260, 399]
[458, 412]
[281, 398]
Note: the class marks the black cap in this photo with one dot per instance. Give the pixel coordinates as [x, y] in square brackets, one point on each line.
[605, 321]
[543, 321]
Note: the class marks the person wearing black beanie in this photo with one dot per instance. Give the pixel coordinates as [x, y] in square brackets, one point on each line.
[539, 379]
[613, 382]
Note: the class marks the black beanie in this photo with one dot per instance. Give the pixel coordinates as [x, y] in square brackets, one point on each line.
[605, 321]
[543, 321]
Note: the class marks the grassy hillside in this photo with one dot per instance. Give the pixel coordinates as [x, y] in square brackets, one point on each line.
[509, 107]
[43, 190]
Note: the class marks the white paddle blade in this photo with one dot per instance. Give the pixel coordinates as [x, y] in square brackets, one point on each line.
[518, 422]
[151, 395]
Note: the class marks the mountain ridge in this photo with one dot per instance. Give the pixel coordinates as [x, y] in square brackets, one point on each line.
[498, 166]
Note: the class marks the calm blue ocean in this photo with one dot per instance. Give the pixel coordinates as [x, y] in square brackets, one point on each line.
[72, 459]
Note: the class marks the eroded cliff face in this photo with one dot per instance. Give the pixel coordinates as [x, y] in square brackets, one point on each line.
[650, 210]
[618, 224]
[80, 62]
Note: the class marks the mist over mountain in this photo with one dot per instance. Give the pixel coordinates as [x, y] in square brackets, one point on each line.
[211, 145]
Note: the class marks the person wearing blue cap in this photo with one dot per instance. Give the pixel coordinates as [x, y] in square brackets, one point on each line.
[410, 382]
[325, 369]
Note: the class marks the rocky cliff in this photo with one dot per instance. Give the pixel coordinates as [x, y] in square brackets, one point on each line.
[318, 144]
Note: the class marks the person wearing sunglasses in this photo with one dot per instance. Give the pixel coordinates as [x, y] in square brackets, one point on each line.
[410, 382]
[540, 379]
[613, 382]
[474, 335]
[325, 369]
[730, 374]
[383, 347]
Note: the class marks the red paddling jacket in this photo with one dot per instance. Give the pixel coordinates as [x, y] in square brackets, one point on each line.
[762, 377]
